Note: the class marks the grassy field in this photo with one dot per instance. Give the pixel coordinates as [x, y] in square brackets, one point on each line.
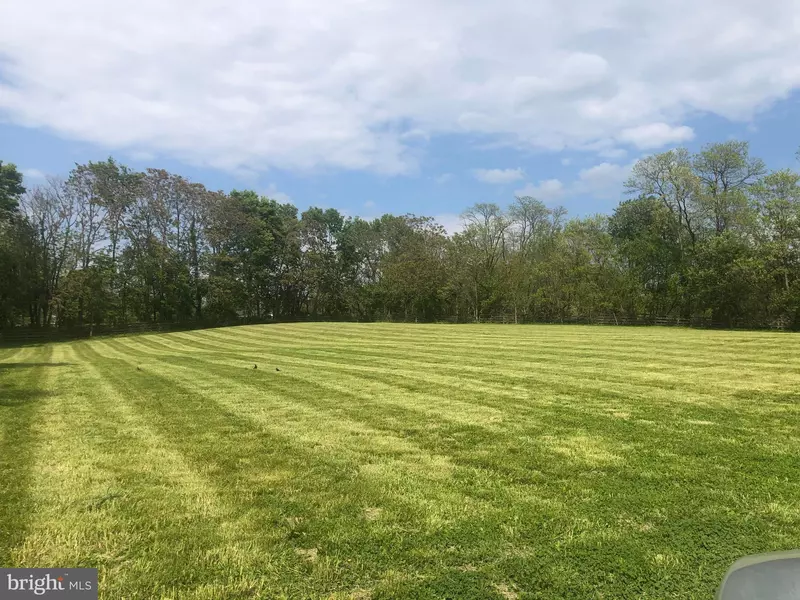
[401, 461]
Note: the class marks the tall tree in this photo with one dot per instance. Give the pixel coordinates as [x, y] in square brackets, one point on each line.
[486, 231]
[413, 269]
[670, 178]
[52, 216]
[530, 235]
[777, 197]
[644, 231]
[707, 235]
[726, 172]
[320, 232]
[11, 189]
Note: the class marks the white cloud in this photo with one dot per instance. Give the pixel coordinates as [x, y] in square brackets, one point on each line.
[417, 135]
[443, 178]
[33, 174]
[566, 162]
[369, 204]
[142, 156]
[603, 181]
[451, 222]
[277, 195]
[498, 176]
[246, 85]
[613, 153]
[546, 191]
[655, 135]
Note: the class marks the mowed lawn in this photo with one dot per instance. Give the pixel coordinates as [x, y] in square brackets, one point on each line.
[402, 461]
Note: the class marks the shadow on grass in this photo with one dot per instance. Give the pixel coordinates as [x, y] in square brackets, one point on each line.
[20, 391]
[15, 394]
[231, 454]
[16, 397]
[26, 365]
[578, 520]
[792, 397]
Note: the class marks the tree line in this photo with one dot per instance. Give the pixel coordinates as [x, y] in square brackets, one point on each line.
[712, 235]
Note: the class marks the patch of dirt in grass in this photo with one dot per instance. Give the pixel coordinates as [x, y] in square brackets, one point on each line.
[372, 513]
[665, 560]
[102, 501]
[468, 568]
[430, 468]
[635, 524]
[309, 554]
[506, 592]
[583, 448]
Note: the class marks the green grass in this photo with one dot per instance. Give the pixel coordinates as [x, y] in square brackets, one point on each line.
[401, 461]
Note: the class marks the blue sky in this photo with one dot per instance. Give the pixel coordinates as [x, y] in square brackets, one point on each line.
[397, 106]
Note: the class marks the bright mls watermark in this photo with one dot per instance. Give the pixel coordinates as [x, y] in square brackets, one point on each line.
[61, 584]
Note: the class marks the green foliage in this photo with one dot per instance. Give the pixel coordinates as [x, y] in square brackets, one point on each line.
[11, 189]
[18, 251]
[110, 245]
[646, 235]
[729, 280]
[726, 172]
